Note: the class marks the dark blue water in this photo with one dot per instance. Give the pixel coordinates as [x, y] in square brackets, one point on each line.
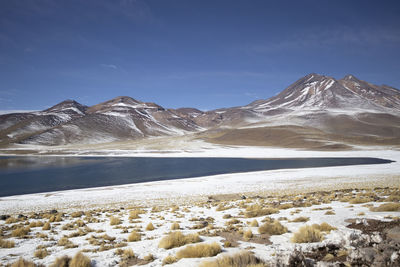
[23, 175]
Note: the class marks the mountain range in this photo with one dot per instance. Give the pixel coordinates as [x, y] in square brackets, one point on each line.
[316, 111]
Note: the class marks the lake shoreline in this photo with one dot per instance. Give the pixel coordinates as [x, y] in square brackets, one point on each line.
[191, 189]
[30, 175]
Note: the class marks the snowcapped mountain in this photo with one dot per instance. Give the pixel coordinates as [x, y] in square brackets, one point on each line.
[317, 110]
[322, 92]
[314, 107]
[121, 118]
[17, 127]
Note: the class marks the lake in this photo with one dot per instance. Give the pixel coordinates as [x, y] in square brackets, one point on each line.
[23, 175]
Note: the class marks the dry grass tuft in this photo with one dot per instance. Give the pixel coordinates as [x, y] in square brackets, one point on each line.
[169, 260]
[360, 200]
[34, 224]
[115, 220]
[11, 220]
[77, 214]
[307, 234]
[387, 207]
[175, 226]
[6, 243]
[257, 210]
[254, 223]
[241, 259]
[20, 232]
[272, 228]
[150, 227]
[324, 227]
[134, 236]
[199, 251]
[80, 260]
[342, 253]
[23, 263]
[41, 253]
[226, 216]
[46, 226]
[61, 262]
[285, 206]
[126, 256]
[148, 258]
[330, 212]
[135, 214]
[128, 253]
[232, 221]
[66, 243]
[328, 257]
[301, 219]
[177, 239]
[247, 235]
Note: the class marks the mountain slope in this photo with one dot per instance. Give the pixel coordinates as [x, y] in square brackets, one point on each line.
[121, 118]
[328, 111]
[315, 111]
[322, 92]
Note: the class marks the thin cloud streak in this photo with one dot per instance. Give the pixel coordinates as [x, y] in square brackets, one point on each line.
[319, 37]
[110, 66]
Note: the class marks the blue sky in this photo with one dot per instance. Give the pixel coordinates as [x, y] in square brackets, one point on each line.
[203, 54]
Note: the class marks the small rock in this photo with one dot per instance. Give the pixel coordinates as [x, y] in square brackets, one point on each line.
[4, 217]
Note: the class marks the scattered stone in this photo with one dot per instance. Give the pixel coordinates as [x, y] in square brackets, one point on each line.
[4, 217]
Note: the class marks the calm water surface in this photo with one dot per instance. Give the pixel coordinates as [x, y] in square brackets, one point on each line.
[23, 175]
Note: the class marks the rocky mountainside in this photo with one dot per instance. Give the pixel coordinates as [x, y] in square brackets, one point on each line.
[313, 108]
[68, 122]
[315, 111]
[321, 92]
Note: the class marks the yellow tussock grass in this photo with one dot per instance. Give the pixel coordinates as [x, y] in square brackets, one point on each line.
[169, 260]
[387, 207]
[257, 210]
[20, 231]
[241, 259]
[247, 235]
[134, 236]
[150, 227]
[199, 251]
[115, 220]
[177, 239]
[41, 253]
[272, 228]
[80, 260]
[300, 219]
[6, 243]
[23, 263]
[307, 234]
[175, 226]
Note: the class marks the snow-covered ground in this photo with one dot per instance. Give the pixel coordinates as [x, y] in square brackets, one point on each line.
[181, 190]
[226, 217]
[191, 196]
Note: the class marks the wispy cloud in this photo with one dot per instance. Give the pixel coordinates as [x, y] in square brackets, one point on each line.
[226, 74]
[110, 66]
[321, 37]
[5, 100]
[10, 92]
